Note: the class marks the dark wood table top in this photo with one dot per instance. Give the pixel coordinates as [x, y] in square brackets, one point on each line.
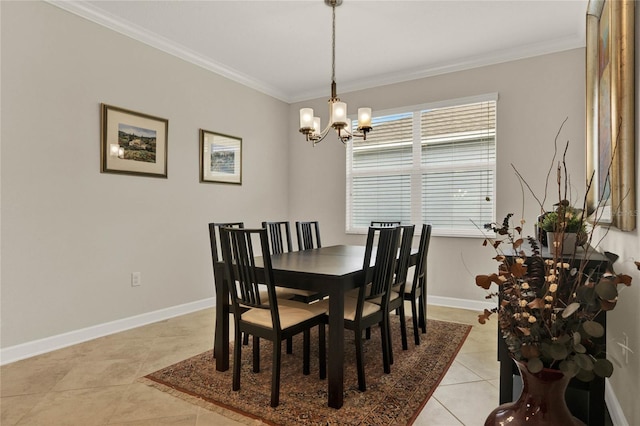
[333, 261]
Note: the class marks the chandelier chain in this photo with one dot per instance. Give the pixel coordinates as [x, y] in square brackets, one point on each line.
[333, 44]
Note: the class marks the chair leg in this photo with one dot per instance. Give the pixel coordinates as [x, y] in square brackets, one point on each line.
[387, 322]
[403, 329]
[386, 356]
[245, 339]
[322, 347]
[289, 345]
[423, 311]
[237, 359]
[306, 349]
[368, 333]
[275, 378]
[360, 362]
[256, 354]
[414, 319]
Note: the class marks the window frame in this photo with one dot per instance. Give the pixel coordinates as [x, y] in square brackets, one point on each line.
[416, 170]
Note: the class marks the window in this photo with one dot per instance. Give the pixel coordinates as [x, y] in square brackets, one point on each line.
[426, 164]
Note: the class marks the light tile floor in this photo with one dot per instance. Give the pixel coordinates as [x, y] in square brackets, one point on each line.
[94, 383]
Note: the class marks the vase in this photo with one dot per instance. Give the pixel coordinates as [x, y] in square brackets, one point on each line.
[541, 403]
[566, 242]
[541, 234]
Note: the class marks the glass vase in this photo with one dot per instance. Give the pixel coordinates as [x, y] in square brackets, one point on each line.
[542, 401]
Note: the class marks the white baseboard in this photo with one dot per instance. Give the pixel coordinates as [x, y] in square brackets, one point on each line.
[615, 410]
[452, 302]
[48, 344]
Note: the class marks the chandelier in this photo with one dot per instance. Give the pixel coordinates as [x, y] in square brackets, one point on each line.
[310, 125]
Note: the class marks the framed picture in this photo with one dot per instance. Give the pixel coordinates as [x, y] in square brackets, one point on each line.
[220, 158]
[610, 113]
[133, 143]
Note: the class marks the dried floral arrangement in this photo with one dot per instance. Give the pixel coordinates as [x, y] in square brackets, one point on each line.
[549, 307]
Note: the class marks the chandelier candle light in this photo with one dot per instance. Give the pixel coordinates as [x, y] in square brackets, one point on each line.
[310, 125]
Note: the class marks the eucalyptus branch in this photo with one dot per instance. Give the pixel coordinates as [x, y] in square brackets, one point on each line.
[533, 194]
[566, 174]
[553, 160]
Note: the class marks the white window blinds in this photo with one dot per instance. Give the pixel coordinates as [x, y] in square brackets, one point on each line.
[427, 164]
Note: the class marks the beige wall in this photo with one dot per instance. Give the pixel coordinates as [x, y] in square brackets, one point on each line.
[71, 236]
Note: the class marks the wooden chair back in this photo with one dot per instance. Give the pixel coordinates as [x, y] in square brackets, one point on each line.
[306, 231]
[239, 256]
[384, 224]
[279, 236]
[214, 237]
[379, 276]
[420, 275]
[402, 266]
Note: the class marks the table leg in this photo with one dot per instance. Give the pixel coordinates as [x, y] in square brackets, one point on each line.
[221, 338]
[506, 372]
[336, 346]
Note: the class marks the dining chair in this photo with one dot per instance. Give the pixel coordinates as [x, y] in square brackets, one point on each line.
[279, 238]
[306, 231]
[377, 223]
[216, 255]
[272, 318]
[396, 299]
[415, 290]
[361, 313]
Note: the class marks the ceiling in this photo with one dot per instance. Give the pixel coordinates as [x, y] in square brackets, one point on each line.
[283, 48]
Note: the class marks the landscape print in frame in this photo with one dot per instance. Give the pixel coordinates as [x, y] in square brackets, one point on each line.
[220, 158]
[133, 143]
[610, 116]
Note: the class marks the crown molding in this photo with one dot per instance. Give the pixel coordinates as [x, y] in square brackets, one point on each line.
[89, 12]
[493, 58]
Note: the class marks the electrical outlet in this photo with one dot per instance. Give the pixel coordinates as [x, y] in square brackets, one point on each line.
[136, 279]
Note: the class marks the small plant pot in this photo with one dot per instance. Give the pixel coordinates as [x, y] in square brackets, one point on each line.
[562, 243]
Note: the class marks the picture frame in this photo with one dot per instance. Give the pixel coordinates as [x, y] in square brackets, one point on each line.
[220, 158]
[133, 143]
[610, 119]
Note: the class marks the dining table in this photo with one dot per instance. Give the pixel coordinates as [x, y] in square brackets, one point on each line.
[332, 270]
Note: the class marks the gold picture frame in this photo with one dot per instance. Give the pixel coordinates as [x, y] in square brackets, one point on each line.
[133, 143]
[220, 158]
[610, 113]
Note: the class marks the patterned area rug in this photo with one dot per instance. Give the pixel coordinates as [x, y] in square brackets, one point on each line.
[390, 399]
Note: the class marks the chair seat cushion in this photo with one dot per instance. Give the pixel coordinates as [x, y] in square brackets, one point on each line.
[295, 291]
[408, 288]
[350, 306]
[291, 313]
[284, 293]
[378, 300]
[281, 293]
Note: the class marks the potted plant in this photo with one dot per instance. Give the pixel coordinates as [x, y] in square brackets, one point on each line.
[565, 227]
